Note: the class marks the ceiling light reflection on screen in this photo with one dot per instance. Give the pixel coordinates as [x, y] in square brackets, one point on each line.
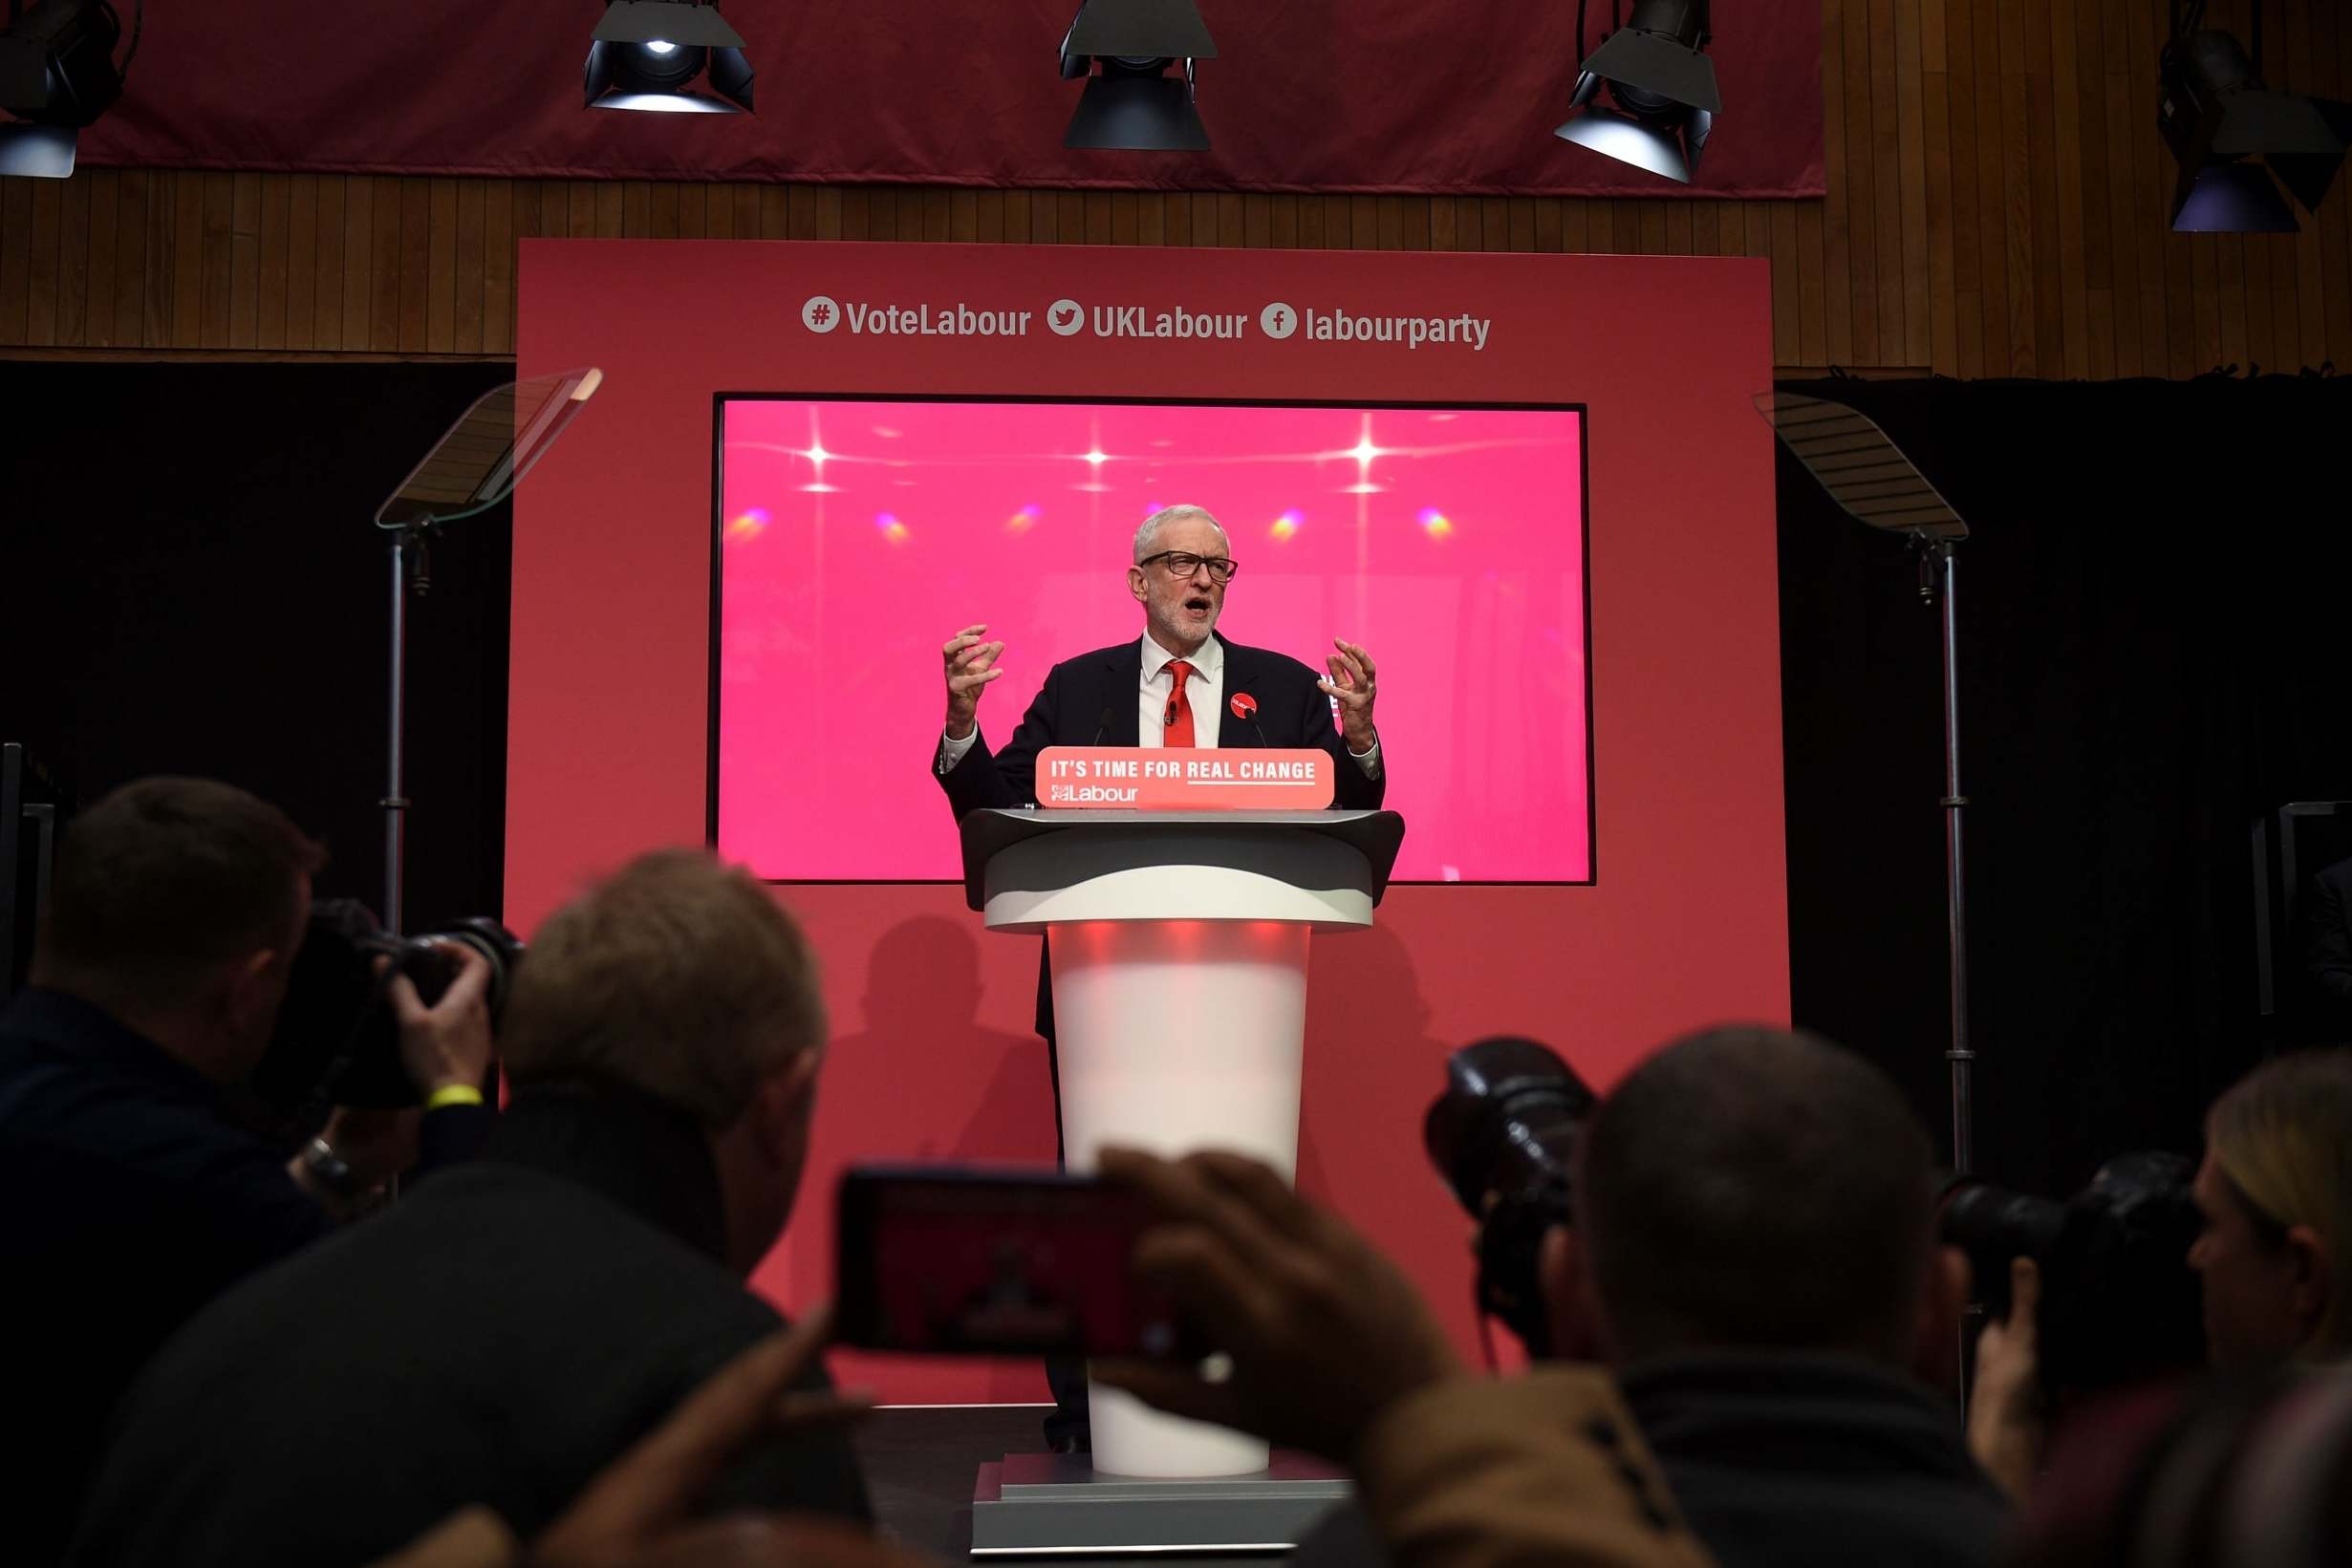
[1286, 526]
[892, 529]
[750, 524]
[1026, 519]
[1435, 523]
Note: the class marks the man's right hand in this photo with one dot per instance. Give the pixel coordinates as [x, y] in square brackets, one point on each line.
[971, 664]
[2004, 1417]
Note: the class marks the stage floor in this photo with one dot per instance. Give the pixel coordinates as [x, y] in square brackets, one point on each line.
[920, 1461]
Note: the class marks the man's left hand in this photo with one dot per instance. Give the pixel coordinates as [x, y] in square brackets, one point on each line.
[1352, 684]
[448, 1044]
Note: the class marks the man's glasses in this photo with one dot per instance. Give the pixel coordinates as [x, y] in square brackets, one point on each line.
[1180, 564]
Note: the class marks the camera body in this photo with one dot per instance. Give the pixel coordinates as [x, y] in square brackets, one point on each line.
[337, 1041]
[2119, 1301]
[1504, 1136]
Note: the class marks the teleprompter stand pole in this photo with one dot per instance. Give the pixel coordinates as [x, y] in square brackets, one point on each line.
[475, 465]
[1935, 583]
[409, 575]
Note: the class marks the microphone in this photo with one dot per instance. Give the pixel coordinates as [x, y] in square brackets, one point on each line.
[1245, 706]
[1102, 722]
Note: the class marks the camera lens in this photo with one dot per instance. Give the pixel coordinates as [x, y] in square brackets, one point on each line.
[1501, 1135]
[1506, 1120]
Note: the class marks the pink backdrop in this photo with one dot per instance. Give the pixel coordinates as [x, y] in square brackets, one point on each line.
[1448, 542]
[1684, 924]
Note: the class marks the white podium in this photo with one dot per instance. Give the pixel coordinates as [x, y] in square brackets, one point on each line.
[1179, 948]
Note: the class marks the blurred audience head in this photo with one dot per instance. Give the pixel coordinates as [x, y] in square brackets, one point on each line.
[682, 980]
[2275, 1191]
[2251, 1471]
[1752, 1188]
[177, 907]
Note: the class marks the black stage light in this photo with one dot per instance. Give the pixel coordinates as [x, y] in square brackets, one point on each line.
[58, 74]
[2231, 134]
[1131, 101]
[647, 53]
[1657, 70]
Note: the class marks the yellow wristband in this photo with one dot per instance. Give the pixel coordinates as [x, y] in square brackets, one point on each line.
[453, 1094]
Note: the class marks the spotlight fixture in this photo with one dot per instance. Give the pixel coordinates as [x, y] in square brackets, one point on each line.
[1657, 70]
[58, 74]
[1131, 101]
[647, 53]
[2231, 134]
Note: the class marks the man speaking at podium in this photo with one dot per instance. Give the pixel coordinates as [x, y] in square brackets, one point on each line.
[1180, 684]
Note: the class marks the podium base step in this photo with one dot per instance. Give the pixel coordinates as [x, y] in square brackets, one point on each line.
[1050, 1505]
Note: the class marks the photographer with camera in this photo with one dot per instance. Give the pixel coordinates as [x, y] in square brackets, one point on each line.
[2267, 1241]
[1743, 1232]
[510, 1329]
[1753, 1251]
[131, 1196]
[1333, 1350]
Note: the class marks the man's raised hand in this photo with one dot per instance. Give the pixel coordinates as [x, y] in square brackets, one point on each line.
[971, 664]
[1325, 1333]
[1353, 686]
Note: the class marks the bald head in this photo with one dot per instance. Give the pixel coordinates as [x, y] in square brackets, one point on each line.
[1750, 1188]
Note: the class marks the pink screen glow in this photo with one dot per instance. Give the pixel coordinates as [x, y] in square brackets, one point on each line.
[855, 537]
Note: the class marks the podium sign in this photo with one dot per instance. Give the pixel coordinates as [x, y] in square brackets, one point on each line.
[1183, 779]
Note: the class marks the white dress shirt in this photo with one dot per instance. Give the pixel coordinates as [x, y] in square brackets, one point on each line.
[1204, 690]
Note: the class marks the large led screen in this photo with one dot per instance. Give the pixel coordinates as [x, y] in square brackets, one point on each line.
[856, 536]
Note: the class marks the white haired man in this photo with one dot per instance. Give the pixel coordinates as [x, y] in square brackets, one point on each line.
[1168, 688]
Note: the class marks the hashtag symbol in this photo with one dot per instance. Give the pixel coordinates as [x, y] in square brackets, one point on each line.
[821, 314]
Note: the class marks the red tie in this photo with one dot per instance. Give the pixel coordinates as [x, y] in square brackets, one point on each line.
[1179, 714]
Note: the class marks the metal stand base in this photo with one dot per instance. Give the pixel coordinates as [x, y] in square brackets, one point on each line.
[1045, 1504]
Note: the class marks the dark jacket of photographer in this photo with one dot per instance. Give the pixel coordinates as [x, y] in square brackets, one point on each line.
[497, 1338]
[1790, 1461]
[131, 1201]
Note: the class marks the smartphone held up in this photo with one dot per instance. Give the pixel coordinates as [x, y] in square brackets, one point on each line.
[964, 1260]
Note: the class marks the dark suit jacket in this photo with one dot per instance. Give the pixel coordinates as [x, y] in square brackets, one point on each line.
[1091, 700]
[497, 1338]
[127, 1201]
[1786, 1461]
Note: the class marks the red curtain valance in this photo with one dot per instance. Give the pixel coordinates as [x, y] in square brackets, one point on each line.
[1388, 96]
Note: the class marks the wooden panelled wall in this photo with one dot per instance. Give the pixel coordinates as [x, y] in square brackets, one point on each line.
[1996, 205]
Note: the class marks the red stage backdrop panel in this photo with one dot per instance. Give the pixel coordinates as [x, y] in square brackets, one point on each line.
[1684, 922]
[1378, 96]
